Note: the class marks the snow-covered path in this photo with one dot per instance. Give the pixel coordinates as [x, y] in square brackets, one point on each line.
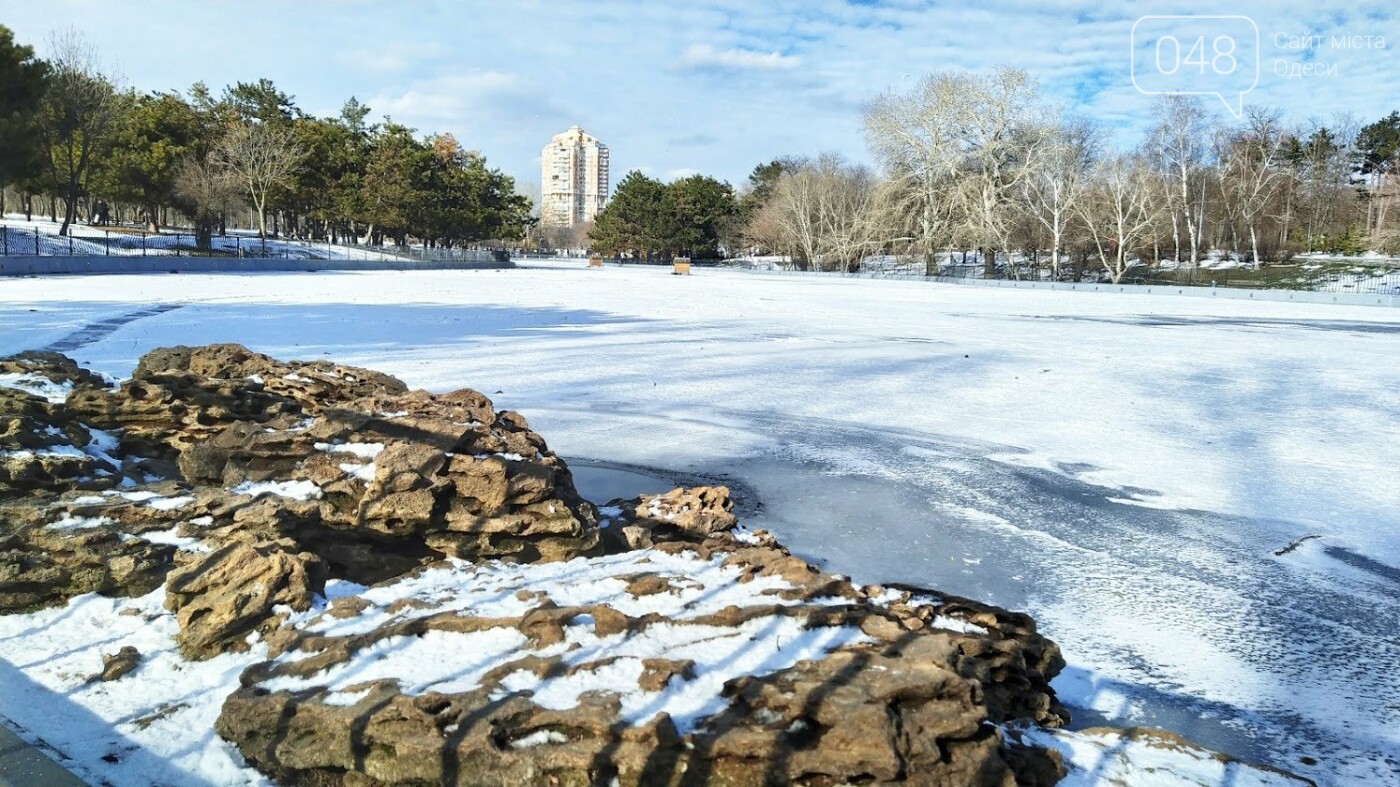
[1123, 467]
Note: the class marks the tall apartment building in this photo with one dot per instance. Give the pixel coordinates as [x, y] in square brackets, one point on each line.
[573, 178]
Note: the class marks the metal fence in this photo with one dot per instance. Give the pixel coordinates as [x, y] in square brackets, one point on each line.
[1340, 276]
[1357, 276]
[97, 242]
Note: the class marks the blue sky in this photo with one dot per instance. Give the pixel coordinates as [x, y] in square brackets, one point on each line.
[713, 86]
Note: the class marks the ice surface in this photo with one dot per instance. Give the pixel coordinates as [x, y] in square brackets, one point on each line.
[1106, 760]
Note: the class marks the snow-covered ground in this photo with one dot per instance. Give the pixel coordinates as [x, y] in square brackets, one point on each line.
[1123, 468]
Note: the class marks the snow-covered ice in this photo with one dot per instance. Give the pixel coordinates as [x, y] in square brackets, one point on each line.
[1097, 759]
[1124, 468]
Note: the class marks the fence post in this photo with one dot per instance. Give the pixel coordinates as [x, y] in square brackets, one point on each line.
[6, 232]
[37, 253]
[143, 244]
[264, 245]
[107, 243]
[70, 241]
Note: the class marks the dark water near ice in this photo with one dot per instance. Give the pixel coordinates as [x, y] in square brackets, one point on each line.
[600, 483]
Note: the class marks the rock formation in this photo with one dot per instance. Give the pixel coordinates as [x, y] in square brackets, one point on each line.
[379, 479]
[116, 666]
[909, 694]
[678, 515]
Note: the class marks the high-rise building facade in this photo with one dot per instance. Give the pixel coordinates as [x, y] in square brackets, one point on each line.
[573, 178]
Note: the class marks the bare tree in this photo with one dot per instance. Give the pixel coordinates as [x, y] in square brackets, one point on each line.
[1002, 141]
[81, 104]
[206, 191]
[263, 156]
[915, 137]
[1178, 145]
[1118, 210]
[1250, 169]
[766, 231]
[821, 211]
[1054, 185]
[554, 236]
[964, 143]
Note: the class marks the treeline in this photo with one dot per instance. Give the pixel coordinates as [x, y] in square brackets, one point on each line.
[72, 137]
[980, 170]
[696, 216]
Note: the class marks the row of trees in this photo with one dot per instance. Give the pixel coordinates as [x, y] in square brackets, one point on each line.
[70, 133]
[980, 164]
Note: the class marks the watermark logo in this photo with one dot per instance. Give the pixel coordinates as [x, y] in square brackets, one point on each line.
[1197, 55]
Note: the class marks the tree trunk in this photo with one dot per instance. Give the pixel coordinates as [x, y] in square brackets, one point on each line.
[989, 262]
[70, 210]
[204, 231]
[1176, 240]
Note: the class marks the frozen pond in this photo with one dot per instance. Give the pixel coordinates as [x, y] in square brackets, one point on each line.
[1198, 500]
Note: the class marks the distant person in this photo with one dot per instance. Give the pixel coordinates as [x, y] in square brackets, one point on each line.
[100, 212]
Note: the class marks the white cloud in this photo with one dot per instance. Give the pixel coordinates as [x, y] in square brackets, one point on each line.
[450, 97]
[706, 56]
[714, 85]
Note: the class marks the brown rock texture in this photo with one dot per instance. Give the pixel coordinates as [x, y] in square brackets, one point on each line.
[221, 596]
[370, 478]
[42, 448]
[911, 701]
[687, 512]
[117, 665]
[40, 567]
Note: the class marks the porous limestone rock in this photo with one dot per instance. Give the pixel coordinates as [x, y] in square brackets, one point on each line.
[220, 597]
[682, 514]
[912, 696]
[116, 666]
[41, 566]
[344, 463]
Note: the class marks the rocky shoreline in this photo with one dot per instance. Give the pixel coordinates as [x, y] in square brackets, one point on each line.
[433, 602]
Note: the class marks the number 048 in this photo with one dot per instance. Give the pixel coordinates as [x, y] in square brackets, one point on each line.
[1222, 60]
